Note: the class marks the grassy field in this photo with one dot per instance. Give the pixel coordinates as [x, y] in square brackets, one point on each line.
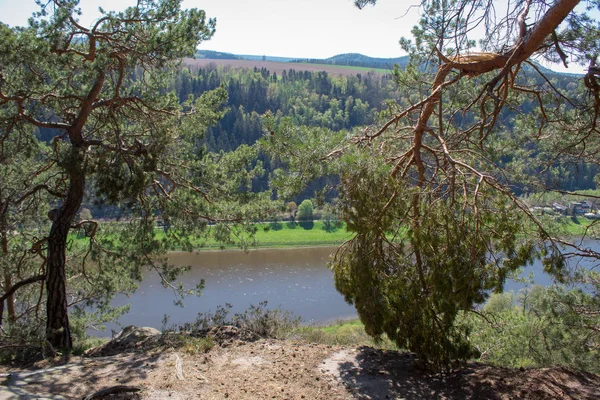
[296, 235]
[269, 235]
[351, 68]
[341, 333]
[308, 234]
[572, 227]
[283, 235]
[279, 67]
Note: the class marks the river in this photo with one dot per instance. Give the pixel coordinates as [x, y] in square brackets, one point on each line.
[296, 280]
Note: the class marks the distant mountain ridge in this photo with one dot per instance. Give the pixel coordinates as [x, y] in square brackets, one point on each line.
[217, 55]
[348, 59]
[360, 60]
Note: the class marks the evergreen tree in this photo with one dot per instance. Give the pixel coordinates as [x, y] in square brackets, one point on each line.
[115, 130]
[429, 192]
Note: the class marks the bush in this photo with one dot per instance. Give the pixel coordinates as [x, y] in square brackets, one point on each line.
[291, 225]
[264, 322]
[305, 211]
[545, 327]
[257, 320]
[331, 222]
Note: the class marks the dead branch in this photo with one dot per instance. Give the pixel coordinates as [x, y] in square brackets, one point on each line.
[112, 390]
[178, 368]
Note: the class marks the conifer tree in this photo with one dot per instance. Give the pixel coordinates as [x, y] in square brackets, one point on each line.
[115, 132]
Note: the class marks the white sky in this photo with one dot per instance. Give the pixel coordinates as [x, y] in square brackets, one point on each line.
[284, 28]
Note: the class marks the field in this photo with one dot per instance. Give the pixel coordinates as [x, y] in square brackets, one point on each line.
[279, 67]
[287, 235]
[269, 235]
[296, 235]
[309, 234]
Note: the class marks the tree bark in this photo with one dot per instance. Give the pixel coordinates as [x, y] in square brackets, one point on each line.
[10, 300]
[58, 332]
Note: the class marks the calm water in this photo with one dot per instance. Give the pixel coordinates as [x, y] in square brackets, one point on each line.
[297, 280]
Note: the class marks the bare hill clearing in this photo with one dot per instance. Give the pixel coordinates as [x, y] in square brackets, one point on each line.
[279, 67]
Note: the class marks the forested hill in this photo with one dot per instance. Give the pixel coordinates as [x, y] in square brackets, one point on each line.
[342, 60]
[309, 98]
[324, 100]
[315, 98]
[360, 60]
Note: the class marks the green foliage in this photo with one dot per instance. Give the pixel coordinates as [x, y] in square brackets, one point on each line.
[305, 211]
[542, 326]
[306, 225]
[342, 333]
[331, 222]
[276, 226]
[413, 287]
[120, 137]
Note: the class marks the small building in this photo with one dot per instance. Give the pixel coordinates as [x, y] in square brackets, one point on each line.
[576, 208]
[560, 209]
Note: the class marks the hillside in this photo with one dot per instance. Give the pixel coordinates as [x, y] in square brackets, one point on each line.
[342, 64]
[353, 63]
[360, 60]
[279, 67]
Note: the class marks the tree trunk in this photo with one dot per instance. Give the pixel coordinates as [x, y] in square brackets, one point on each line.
[58, 332]
[10, 301]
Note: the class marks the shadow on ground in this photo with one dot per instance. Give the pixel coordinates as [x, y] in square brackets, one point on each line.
[85, 376]
[380, 374]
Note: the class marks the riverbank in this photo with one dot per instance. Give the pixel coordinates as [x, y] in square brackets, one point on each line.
[284, 235]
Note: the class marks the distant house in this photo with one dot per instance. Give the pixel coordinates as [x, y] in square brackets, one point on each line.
[560, 209]
[587, 205]
[580, 207]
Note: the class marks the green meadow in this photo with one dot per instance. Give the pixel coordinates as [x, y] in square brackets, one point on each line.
[268, 235]
[299, 234]
[309, 234]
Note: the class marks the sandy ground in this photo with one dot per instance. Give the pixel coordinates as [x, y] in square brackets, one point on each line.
[272, 369]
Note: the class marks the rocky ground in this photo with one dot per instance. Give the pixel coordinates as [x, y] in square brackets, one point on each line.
[276, 369]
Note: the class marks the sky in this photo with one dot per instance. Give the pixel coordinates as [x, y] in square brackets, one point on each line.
[283, 28]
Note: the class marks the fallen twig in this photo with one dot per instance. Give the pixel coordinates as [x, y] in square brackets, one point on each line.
[112, 390]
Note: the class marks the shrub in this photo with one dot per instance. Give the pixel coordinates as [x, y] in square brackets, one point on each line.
[545, 327]
[257, 320]
[305, 211]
